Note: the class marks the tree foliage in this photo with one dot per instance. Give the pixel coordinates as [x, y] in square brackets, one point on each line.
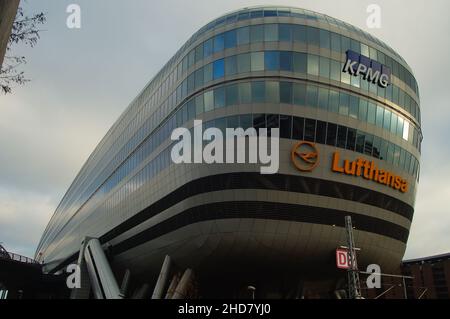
[25, 30]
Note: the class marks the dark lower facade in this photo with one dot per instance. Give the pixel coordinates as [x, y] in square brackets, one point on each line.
[256, 68]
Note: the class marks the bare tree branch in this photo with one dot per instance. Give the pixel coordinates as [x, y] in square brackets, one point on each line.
[24, 30]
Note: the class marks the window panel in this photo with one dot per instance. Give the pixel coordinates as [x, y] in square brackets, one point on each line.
[343, 103]
[380, 114]
[272, 92]
[368, 145]
[313, 36]
[297, 128]
[232, 94]
[351, 139]
[300, 62]
[285, 126]
[387, 120]
[270, 32]
[257, 61]
[285, 32]
[321, 132]
[256, 33]
[230, 39]
[313, 64]
[231, 65]
[299, 94]
[323, 98]
[299, 33]
[243, 35]
[311, 95]
[331, 134]
[360, 139]
[286, 61]
[219, 97]
[310, 130]
[324, 39]
[258, 92]
[259, 121]
[219, 43]
[246, 121]
[335, 42]
[245, 93]
[219, 69]
[208, 73]
[342, 136]
[243, 63]
[209, 101]
[333, 105]
[272, 60]
[324, 67]
[354, 105]
[335, 70]
[371, 113]
[286, 92]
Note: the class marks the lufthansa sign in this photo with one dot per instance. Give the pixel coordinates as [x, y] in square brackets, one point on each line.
[305, 157]
[370, 70]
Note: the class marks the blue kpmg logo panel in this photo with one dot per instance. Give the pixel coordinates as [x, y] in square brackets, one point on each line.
[370, 70]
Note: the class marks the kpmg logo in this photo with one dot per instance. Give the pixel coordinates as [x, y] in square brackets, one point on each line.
[370, 70]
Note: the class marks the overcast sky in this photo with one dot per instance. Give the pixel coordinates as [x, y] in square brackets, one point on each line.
[82, 80]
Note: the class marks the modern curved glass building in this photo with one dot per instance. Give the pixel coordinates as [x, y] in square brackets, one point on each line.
[310, 75]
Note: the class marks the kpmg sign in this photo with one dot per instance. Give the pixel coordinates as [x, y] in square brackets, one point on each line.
[370, 70]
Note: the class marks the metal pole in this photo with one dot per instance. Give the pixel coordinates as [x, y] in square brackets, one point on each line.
[404, 288]
[162, 279]
[354, 287]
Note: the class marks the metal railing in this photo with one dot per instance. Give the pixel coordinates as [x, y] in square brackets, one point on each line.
[22, 259]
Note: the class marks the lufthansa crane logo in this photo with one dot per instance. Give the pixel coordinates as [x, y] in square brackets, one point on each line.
[304, 156]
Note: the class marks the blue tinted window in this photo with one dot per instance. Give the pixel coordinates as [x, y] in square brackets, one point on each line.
[313, 64]
[333, 104]
[323, 98]
[300, 62]
[299, 33]
[219, 97]
[343, 104]
[285, 32]
[270, 13]
[243, 63]
[272, 60]
[354, 104]
[366, 113]
[258, 92]
[286, 92]
[371, 112]
[311, 95]
[324, 39]
[272, 92]
[230, 39]
[313, 36]
[299, 94]
[270, 32]
[286, 61]
[256, 33]
[219, 43]
[208, 48]
[335, 42]
[218, 69]
[232, 95]
[231, 65]
[243, 35]
[324, 67]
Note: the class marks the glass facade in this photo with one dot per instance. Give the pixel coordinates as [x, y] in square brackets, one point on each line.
[192, 84]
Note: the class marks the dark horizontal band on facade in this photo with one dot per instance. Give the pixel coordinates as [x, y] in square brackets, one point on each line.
[278, 182]
[263, 210]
